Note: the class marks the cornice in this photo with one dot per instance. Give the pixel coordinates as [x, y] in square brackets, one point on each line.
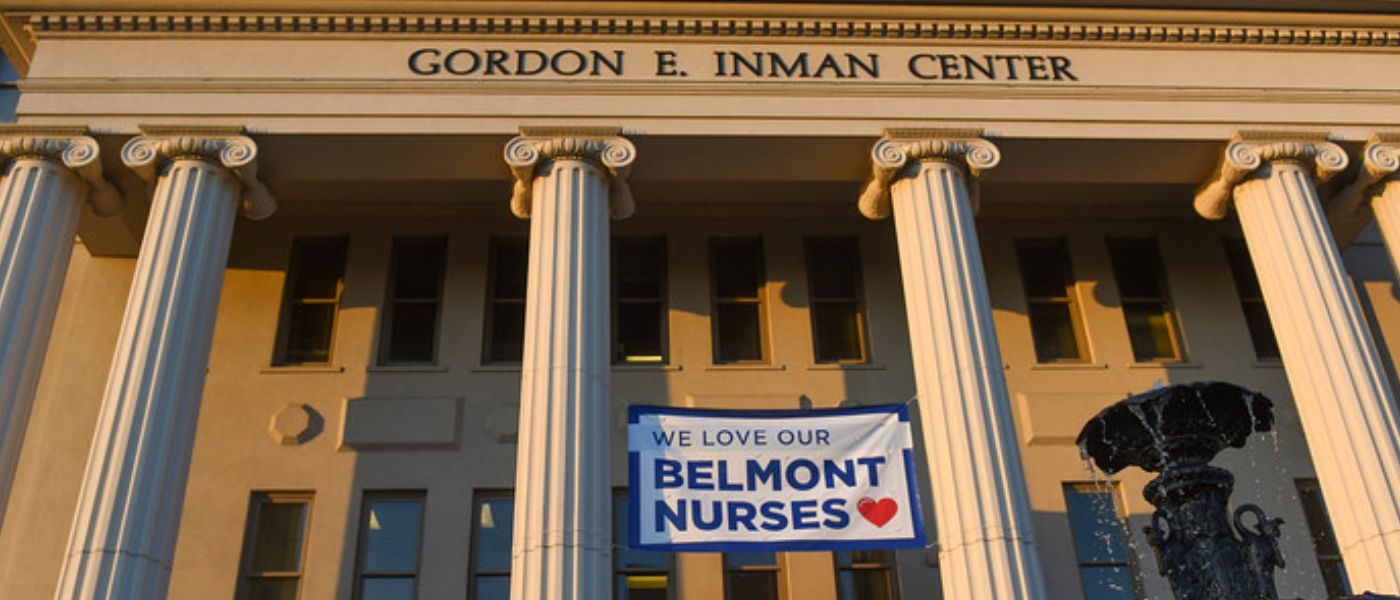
[958, 28]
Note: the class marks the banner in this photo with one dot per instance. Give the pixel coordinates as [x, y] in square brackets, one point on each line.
[744, 480]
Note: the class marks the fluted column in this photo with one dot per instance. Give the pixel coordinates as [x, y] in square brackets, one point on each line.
[1377, 189]
[986, 544]
[568, 183]
[47, 176]
[128, 511]
[1338, 384]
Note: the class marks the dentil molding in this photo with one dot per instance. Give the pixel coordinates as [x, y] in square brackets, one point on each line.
[1249, 151]
[901, 148]
[70, 148]
[602, 147]
[148, 154]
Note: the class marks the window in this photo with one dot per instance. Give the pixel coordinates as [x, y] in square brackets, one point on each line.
[1256, 314]
[311, 301]
[1147, 307]
[737, 288]
[637, 574]
[1329, 556]
[1100, 542]
[274, 545]
[414, 300]
[834, 294]
[639, 300]
[1050, 300]
[492, 524]
[391, 527]
[751, 576]
[505, 300]
[866, 575]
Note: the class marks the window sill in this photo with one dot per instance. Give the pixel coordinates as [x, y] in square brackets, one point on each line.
[1069, 366]
[496, 369]
[845, 367]
[644, 367]
[407, 369]
[301, 369]
[746, 367]
[1166, 364]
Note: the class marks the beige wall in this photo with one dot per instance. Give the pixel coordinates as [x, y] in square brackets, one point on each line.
[234, 455]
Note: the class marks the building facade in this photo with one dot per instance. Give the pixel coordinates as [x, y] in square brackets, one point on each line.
[361, 291]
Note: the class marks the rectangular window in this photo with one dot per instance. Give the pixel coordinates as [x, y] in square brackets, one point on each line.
[315, 279]
[1100, 541]
[737, 290]
[274, 545]
[1256, 314]
[639, 300]
[391, 529]
[637, 574]
[413, 302]
[1147, 305]
[834, 294]
[866, 575]
[1329, 557]
[751, 576]
[505, 300]
[493, 520]
[1051, 303]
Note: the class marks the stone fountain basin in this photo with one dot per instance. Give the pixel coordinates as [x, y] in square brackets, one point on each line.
[1175, 425]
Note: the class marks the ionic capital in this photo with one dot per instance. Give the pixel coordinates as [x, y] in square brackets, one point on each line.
[71, 149]
[901, 148]
[150, 153]
[1248, 152]
[1350, 210]
[604, 148]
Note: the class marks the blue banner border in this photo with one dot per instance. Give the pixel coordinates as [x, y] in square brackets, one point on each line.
[634, 414]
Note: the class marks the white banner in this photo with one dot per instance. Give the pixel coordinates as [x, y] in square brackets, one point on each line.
[734, 480]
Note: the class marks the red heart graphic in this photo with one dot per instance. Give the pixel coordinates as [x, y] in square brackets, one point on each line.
[878, 512]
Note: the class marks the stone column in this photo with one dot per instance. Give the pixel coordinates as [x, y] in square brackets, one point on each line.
[128, 513]
[47, 176]
[1377, 190]
[1339, 387]
[568, 183]
[986, 543]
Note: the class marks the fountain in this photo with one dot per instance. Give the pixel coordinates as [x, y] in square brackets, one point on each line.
[1204, 551]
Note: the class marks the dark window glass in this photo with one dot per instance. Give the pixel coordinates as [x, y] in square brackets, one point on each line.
[637, 574]
[1256, 314]
[391, 529]
[505, 300]
[410, 324]
[835, 299]
[492, 523]
[1329, 557]
[1100, 542]
[751, 575]
[866, 575]
[1051, 304]
[311, 301]
[639, 300]
[274, 545]
[1147, 307]
[736, 266]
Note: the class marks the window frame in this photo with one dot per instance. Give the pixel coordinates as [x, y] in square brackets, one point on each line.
[479, 499]
[1320, 532]
[488, 327]
[890, 568]
[760, 300]
[621, 495]
[858, 285]
[1070, 300]
[256, 501]
[1113, 491]
[662, 300]
[776, 569]
[1237, 251]
[284, 319]
[362, 545]
[1164, 298]
[391, 302]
